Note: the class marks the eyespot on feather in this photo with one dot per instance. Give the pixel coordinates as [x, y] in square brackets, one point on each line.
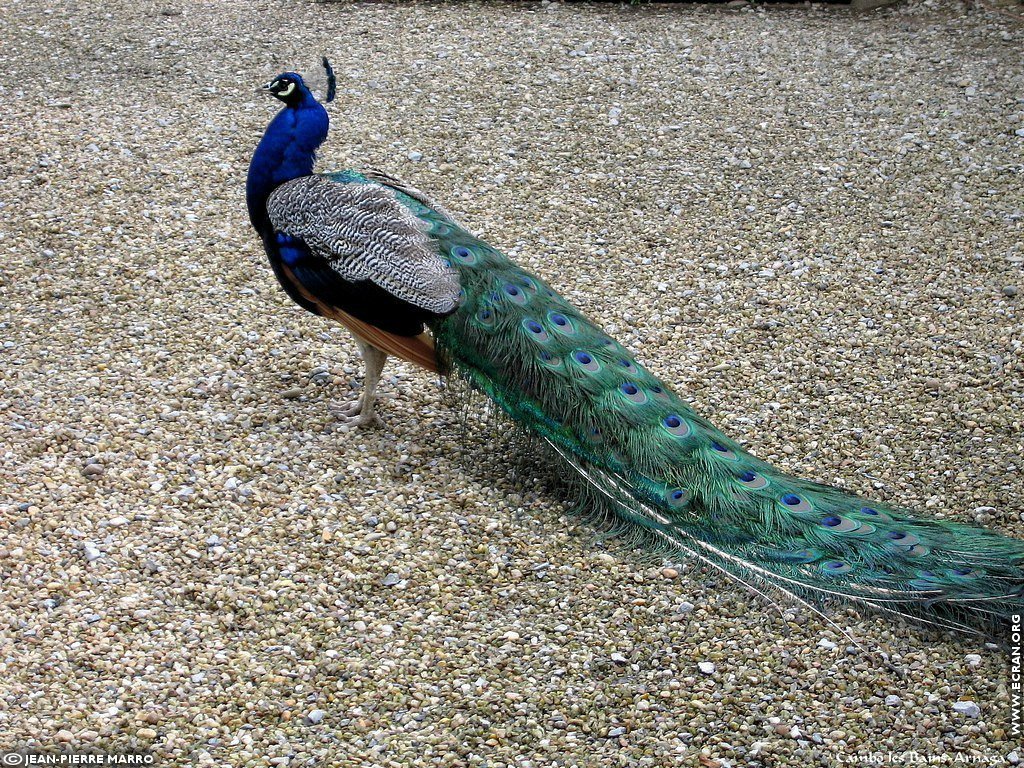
[677, 498]
[752, 480]
[720, 451]
[515, 293]
[550, 361]
[960, 573]
[632, 393]
[535, 330]
[835, 567]
[839, 524]
[659, 393]
[528, 283]
[463, 255]
[794, 503]
[586, 361]
[562, 324]
[486, 318]
[902, 538]
[676, 425]
[876, 514]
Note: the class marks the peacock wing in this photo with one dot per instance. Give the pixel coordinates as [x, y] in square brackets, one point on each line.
[364, 234]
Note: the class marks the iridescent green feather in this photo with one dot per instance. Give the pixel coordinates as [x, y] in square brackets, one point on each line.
[654, 464]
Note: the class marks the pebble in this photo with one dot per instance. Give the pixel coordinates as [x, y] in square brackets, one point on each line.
[892, 700]
[1010, 290]
[827, 644]
[972, 660]
[315, 716]
[968, 708]
[706, 667]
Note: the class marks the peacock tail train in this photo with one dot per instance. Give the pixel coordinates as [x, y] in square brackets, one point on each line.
[647, 459]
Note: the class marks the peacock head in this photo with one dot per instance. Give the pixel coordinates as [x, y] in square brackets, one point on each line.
[289, 88]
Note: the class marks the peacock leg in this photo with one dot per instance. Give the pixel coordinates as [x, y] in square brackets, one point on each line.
[359, 412]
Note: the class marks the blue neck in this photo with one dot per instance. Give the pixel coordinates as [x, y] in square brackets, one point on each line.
[286, 151]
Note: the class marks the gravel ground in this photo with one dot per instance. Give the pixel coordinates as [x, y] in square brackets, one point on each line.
[811, 221]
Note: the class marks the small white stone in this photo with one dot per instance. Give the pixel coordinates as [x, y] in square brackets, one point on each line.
[706, 667]
[893, 700]
[973, 659]
[968, 708]
[827, 644]
[315, 716]
[90, 551]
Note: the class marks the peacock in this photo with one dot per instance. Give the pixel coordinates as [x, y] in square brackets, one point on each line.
[407, 279]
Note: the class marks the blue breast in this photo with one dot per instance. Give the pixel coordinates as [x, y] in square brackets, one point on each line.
[290, 249]
[286, 151]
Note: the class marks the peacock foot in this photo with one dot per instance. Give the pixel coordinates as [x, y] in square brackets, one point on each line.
[350, 408]
[351, 414]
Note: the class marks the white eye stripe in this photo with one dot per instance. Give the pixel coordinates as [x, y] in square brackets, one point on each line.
[287, 91]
